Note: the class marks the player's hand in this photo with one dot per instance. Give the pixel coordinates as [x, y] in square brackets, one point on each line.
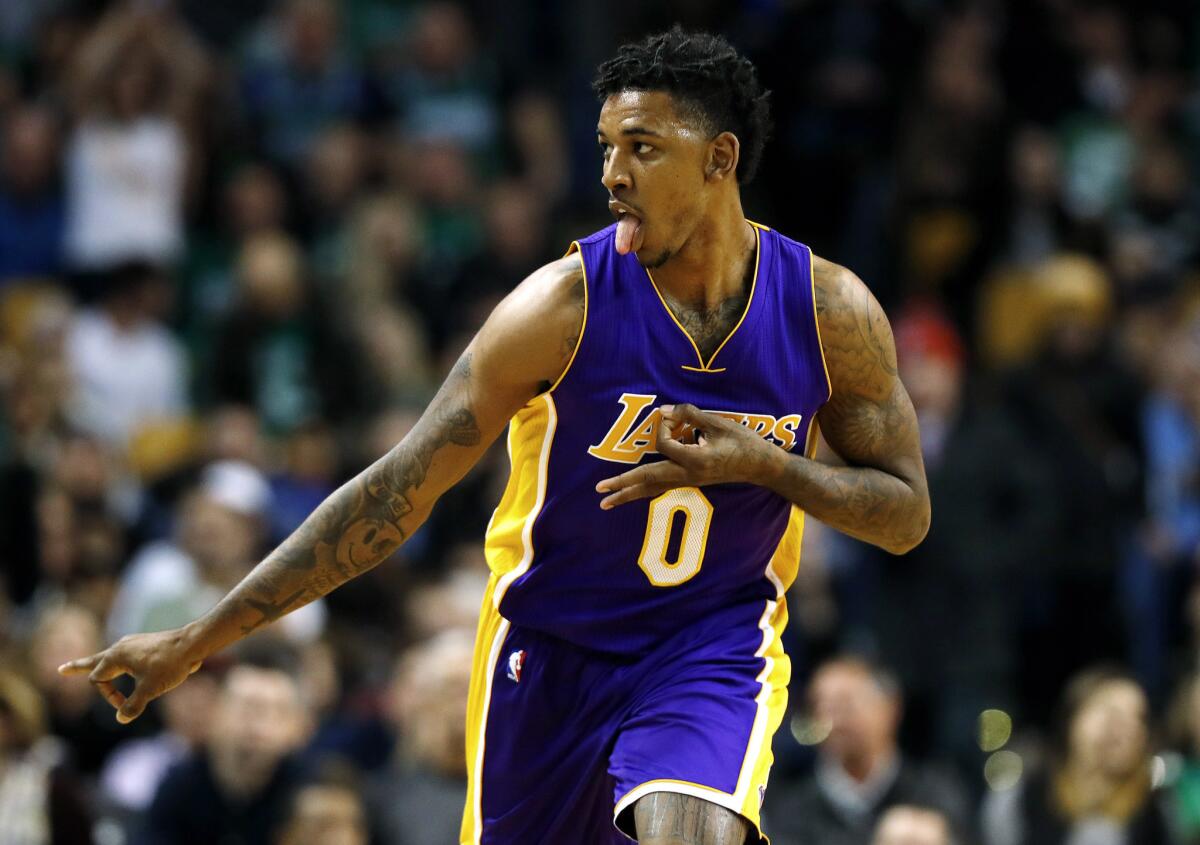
[724, 452]
[157, 663]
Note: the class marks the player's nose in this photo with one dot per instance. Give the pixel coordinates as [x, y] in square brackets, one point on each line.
[616, 173]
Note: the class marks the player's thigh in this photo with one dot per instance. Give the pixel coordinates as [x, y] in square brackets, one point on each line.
[670, 818]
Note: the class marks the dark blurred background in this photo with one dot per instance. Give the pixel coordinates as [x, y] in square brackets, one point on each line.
[241, 242]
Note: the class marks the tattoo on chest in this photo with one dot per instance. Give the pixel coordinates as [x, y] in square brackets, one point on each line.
[709, 327]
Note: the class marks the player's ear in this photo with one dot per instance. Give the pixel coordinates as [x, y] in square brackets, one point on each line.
[723, 153]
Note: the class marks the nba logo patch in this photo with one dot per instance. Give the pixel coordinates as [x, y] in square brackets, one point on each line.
[762, 795]
[516, 661]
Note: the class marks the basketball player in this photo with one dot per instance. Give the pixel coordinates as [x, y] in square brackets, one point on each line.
[661, 386]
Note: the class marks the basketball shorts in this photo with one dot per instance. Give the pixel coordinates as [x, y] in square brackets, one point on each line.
[561, 741]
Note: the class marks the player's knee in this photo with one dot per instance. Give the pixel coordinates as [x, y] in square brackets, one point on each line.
[667, 818]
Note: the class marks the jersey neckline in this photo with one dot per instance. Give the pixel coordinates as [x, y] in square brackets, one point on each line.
[707, 367]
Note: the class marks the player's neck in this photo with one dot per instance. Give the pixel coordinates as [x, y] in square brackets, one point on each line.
[711, 266]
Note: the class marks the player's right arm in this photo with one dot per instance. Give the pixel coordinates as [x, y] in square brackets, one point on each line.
[522, 349]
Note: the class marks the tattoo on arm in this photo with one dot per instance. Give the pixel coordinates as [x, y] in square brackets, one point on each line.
[362, 523]
[368, 518]
[881, 496]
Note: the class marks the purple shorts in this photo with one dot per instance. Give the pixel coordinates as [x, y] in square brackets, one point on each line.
[562, 741]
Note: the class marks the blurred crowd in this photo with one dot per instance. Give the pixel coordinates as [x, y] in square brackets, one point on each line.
[240, 244]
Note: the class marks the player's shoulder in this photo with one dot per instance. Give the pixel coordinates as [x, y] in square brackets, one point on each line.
[560, 283]
[854, 331]
[841, 296]
[550, 301]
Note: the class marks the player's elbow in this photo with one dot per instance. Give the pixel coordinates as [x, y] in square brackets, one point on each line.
[916, 527]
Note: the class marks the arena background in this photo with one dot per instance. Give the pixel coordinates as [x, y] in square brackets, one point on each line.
[241, 242]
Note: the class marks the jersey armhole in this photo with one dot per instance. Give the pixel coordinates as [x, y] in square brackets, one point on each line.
[812, 284]
[575, 248]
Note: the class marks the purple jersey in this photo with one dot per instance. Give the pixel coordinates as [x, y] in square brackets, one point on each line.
[625, 580]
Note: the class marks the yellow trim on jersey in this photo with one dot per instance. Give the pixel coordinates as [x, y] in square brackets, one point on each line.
[771, 702]
[785, 561]
[812, 283]
[489, 638]
[707, 367]
[583, 326]
[508, 545]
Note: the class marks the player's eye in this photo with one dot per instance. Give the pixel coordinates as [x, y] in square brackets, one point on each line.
[604, 149]
[641, 148]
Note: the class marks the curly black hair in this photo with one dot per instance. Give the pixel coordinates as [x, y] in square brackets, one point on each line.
[717, 86]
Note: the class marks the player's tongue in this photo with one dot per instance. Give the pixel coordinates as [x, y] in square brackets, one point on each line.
[629, 234]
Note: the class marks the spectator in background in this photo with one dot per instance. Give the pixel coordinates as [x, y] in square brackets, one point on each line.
[1159, 573]
[40, 803]
[960, 652]
[515, 221]
[137, 83]
[860, 770]
[220, 532]
[1076, 403]
[442, 87]
[418, 800]
[1037, 223]
[295, 81]
[1183, 726]
[129, 369]
[909, 825]
[335, 171]
[252, 201]
[238, 787]
[447, 190]
[1097, 787]
[376, 295]
[327, 810]
[31, 205]
[277, 351]
[1160, 215]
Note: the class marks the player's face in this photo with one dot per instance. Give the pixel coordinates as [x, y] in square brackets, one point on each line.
[654, 170]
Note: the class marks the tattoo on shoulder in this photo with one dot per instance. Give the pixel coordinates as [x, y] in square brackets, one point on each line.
[855, 334]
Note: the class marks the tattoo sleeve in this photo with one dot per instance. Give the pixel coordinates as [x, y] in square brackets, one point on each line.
[357, 527]
[371, 516]
[881, 495]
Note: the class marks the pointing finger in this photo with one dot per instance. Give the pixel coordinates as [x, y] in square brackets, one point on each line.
[639, 483]
[646, 472]
[79, 665]
[633, 493]
[106, 670]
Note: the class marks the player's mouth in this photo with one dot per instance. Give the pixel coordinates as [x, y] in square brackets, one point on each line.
[630, 229]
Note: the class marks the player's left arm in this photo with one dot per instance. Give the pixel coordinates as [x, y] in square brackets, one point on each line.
[880, 496]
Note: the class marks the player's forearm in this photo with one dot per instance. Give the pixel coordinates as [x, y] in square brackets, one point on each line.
[353, 530]
[869, 504]
[357, 527]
